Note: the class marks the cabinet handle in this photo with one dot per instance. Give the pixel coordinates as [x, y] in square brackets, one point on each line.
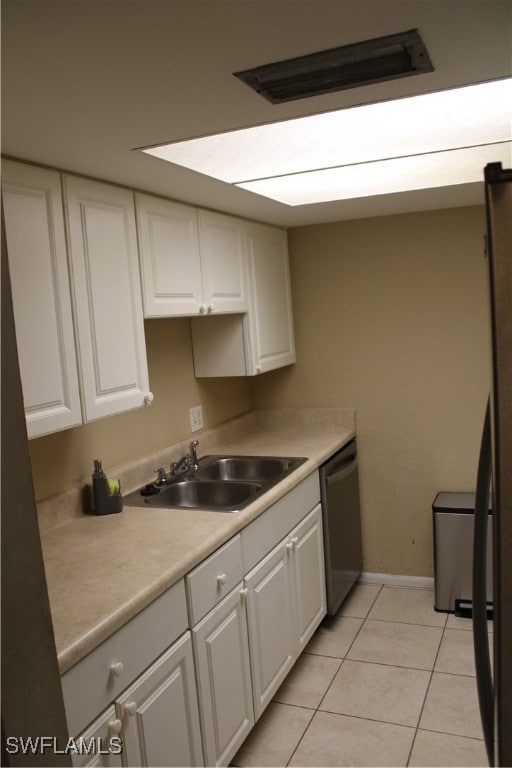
[131, 708]
[117, 669]
[221, 579]
[292, 543]
[148, 398]
[211, 307]
[115, 726]
[202, 309]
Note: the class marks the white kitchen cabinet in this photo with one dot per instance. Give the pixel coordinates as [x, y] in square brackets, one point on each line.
[106, 288]
[271, 625]
[262, 339]
[38, 268]
[159, 713]
[192, 262]
[216, 607]
[223, 669]
[100, 746]
[223, 262]
[286, 602]
[270, 319]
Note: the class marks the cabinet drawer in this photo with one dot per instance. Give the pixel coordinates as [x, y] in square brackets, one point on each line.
[92, 684]
[213, 579]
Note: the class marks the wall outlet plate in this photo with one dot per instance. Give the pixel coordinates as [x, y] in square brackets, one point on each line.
[196, 418]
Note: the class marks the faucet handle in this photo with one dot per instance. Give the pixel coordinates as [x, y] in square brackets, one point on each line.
[161, 476]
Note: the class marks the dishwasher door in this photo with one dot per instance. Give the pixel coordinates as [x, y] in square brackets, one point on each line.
[339, 487]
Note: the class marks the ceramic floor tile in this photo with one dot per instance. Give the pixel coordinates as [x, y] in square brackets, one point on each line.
[403, 645]
[451, 706]
[460, 622]
[334, 636]
[359, 601]
[411, 606]
[378, 692]
[274, 737]
[441, 749]
[337, 740]
[308, 681]
[456, 653]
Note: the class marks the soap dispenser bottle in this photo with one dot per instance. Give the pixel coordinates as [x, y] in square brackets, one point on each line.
[106, 494]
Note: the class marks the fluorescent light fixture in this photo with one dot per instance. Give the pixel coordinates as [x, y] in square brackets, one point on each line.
[335, 155]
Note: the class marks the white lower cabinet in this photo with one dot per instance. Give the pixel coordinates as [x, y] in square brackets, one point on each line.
[286, 602]
[100, 746]
[221, 649]
[183, 682]
[159, 714]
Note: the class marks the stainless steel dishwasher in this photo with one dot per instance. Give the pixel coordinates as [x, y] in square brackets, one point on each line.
[339, 487]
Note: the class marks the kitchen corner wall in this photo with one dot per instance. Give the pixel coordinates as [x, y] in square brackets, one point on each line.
[391, 319]
[65, 458]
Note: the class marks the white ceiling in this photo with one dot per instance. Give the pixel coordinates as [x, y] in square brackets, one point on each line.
[86, 82]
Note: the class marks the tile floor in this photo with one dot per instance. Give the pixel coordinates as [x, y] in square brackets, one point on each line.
[386, 682]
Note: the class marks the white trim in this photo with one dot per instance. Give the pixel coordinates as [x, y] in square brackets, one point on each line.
[397, 580]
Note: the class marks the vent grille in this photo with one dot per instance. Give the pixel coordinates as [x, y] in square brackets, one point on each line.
[350, 66]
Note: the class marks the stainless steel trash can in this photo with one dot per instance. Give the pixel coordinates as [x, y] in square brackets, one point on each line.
[453, 520]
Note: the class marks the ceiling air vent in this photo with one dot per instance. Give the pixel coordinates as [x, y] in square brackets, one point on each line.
[350, 66]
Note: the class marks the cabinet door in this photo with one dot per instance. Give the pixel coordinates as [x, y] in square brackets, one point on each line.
[221, 650]
[270, 320]
[308, 575]
[159, 713]
[169, 255]
[223, 262]
[271, 624]
[36, 245]
[108, 305]
[100, 745]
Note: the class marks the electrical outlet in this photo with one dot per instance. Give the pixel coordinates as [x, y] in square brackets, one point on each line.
[196, 418]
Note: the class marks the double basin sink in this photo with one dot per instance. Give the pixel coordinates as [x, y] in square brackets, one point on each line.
[222, 483]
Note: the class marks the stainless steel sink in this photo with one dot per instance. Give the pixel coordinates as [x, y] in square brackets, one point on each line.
[257, 468]
[221, 483]
[204, 494]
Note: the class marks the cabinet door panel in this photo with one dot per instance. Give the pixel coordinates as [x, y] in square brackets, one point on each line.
[223, 262]
[271, 625]
[270, 318]
[221, 649]
[108, 304]
[170, 262]
[309, 578]
[100, 744]
[38, 268]
[160, 714]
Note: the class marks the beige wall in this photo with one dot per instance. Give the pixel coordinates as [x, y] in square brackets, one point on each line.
[390, 318]
[65, 458]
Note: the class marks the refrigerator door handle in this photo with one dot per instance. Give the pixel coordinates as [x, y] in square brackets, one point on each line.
[480, 636]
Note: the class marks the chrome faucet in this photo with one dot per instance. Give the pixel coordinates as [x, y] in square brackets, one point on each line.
[186, 463]
[193, 454]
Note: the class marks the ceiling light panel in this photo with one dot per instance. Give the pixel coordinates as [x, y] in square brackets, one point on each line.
[440, 169]
[468, 116]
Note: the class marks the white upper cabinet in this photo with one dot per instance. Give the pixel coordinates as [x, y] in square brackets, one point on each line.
[107, 296]
[270, 320]
[40, 288]
[262, 339]
[169, 256]
[192, 262]
[223, 262]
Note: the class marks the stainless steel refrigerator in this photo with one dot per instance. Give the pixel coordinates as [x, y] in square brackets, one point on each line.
[495, 475]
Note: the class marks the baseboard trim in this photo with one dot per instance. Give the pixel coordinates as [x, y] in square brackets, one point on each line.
[397, 580]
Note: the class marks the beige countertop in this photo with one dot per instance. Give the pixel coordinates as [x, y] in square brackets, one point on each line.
[102, 570]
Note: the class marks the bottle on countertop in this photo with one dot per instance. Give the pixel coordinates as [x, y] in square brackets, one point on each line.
[106, 494]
